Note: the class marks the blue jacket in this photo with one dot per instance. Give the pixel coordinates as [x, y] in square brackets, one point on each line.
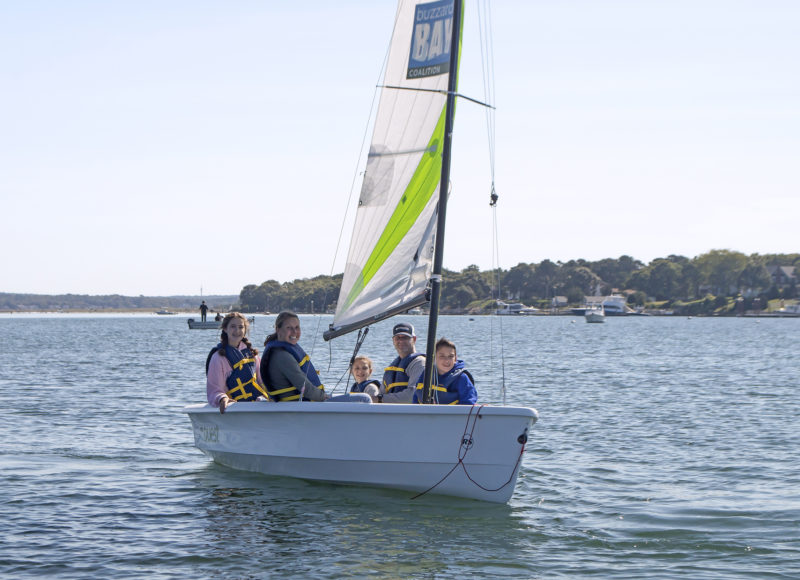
[455, 387]
[359, 387]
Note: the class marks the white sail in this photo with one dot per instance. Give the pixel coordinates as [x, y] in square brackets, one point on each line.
[391, 251]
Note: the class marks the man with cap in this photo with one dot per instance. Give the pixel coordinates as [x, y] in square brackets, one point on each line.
[409, 364]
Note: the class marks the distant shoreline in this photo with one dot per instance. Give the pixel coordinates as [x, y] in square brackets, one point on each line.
[114, 303]
[90, 310]
[196, 315]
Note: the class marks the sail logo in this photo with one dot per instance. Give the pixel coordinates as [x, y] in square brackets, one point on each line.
[430, 39]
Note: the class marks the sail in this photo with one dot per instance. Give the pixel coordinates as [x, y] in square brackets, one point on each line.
[391, 250]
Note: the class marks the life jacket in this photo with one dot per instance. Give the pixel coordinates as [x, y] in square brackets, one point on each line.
[395, 378]
[445, 391]
[242, 383]
[289, 393]
[359, 387]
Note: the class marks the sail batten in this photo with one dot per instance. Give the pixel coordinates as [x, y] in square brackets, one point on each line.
[392, 247]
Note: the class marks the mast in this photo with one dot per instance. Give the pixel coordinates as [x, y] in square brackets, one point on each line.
[438, 257]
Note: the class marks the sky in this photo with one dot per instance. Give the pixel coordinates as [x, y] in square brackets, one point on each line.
[186, 147]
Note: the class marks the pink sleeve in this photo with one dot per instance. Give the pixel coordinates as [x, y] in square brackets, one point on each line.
[215, 381]
[258, 372]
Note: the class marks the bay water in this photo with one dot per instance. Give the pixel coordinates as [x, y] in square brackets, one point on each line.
[665, 447]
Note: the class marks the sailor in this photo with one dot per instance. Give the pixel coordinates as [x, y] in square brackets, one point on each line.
[232, 367]
[286, 367]
[203, 311]
[288, 370]
[409, 364]
[361, 369]
[454, 384]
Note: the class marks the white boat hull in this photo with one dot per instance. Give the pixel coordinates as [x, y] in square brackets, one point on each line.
[211, 324]
[595, 316]
[200, 325]
[408, 447]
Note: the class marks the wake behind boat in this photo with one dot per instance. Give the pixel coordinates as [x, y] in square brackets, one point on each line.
[394, 265]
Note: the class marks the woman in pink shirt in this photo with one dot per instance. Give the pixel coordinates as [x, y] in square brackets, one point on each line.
[234, 372]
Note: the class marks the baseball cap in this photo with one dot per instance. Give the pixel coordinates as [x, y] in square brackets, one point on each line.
[403, 329]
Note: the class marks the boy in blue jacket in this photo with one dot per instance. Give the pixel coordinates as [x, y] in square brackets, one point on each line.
[454, 384]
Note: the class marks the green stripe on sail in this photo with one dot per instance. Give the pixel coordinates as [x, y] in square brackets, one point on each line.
[416, 196]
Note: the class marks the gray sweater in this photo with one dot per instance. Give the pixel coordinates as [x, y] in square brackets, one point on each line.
[414, 371]
[284, 371]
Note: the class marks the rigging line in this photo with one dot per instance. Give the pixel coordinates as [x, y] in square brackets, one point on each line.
[339, 382]
[362, 335]
[487, 62]
[466, 444]
[460, 457]
[510, 478]
[487, 66]
[467, 441]
[496, 267]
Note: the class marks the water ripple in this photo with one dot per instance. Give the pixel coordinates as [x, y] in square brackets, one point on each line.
[665, 448]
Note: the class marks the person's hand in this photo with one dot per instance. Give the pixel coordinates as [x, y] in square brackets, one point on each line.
[224, 402]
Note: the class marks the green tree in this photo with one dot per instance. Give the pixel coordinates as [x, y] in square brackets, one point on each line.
[615, 272]
[544, 278]
[253, 299]
[460, 296]
[637, 298]
[640, 280]
[690, 277]
[574, 295]
[754, 277]
[664, 279]
[721, 270]
[579, 277]
[518, 281]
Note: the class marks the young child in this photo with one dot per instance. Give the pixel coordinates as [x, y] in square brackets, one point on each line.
[454, 385]
[361, 369]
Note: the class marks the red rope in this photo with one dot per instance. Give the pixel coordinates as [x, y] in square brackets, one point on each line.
[462, 456]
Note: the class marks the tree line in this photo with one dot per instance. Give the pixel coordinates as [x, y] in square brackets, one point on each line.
[719, 274]
[698, 285]
[83, 302]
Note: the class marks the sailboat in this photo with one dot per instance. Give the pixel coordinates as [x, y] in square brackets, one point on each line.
[394, 265]
[213, 324]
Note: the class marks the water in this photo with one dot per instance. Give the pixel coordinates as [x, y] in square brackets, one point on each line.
[665, 447]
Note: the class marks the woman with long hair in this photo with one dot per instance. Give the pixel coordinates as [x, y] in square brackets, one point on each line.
[234, 370]
[285, 366]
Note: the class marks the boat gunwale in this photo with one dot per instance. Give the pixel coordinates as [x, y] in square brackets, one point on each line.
[339, 408]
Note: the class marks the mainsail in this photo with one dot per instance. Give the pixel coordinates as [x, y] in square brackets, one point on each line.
[392, 247]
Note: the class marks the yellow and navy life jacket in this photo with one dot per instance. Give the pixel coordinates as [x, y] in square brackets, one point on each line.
[289, 393]
[395, 378]
[359, 387]
[446, 390]
[243, 381]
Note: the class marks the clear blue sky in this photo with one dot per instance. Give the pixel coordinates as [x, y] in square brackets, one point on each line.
[156, 147]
